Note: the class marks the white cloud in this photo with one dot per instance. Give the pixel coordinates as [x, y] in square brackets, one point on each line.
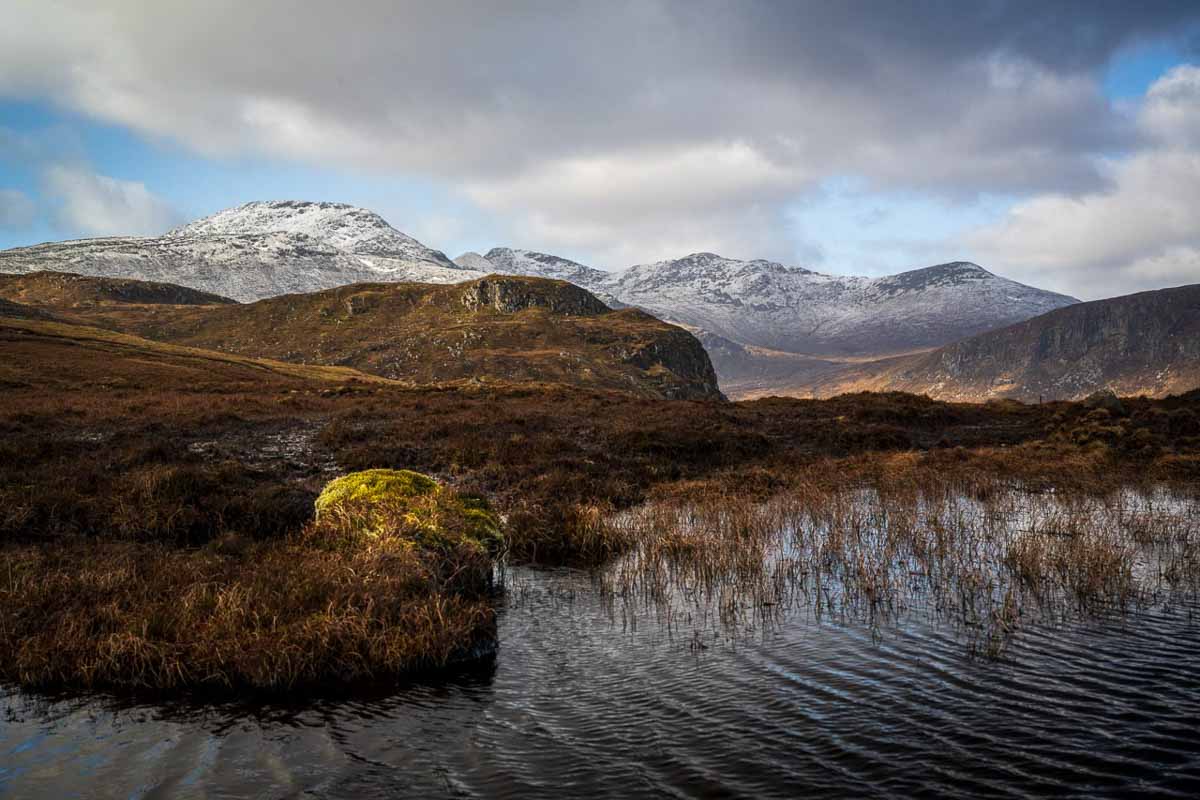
[1142, 232]
[16, 209]
[646, 205]
[98, 205]
[621, 128]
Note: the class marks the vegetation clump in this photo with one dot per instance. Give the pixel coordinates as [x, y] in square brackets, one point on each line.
[378, 503]
[393, 575]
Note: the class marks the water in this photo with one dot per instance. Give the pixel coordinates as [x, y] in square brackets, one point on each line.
[595, 697]
[578, 703]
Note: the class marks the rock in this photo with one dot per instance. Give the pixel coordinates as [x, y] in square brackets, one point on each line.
[509, 295]
[1106, 399]
[401, 503]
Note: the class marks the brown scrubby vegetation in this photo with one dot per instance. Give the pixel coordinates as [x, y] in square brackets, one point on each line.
[296, 612]
[499, 329]
[133, 474]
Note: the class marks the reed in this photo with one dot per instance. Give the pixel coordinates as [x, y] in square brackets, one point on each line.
[988, 560]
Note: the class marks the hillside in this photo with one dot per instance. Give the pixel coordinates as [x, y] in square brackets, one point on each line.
[66, 290]
[1146, 343]
[495, 329]
[98, 359]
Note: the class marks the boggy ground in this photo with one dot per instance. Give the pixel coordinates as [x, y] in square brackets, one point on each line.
[148, 492]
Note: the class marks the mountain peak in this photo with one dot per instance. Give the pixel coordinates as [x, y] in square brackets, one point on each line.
[474, 261]
[952, 273]
[340, 225]
[515, 261]
[959, 268]
[255, 250]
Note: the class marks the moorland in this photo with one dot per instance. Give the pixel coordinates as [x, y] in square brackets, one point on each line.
[158, 500]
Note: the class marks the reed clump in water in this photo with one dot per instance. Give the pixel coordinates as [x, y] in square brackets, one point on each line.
[986, 558]
[334, 603]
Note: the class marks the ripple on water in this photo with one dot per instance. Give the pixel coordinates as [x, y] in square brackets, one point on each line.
[585, 698]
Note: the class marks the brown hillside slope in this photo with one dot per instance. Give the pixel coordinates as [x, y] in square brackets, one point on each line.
[66, 290]
[1146, 343]
[107, 359]
[495, 329]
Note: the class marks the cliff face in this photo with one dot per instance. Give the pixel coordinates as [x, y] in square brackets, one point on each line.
[1146, 343]
[509, 295]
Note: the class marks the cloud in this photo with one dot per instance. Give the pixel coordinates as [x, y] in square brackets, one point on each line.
[17, 210]
[1142, 232]
[513, 102]
[101, 206]
[650, 204]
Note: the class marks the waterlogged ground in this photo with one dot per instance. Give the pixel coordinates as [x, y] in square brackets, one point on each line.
[866, 665]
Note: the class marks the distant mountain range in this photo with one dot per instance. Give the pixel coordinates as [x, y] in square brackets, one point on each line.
[768, 327]
[766, 304]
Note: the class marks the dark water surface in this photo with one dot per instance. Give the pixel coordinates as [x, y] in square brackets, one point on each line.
[579, 703]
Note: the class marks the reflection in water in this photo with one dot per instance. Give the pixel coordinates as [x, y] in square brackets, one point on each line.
[589, 696]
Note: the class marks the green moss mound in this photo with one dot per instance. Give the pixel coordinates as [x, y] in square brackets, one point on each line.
[400, 503]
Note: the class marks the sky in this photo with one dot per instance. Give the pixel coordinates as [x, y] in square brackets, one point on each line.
[1056, 143]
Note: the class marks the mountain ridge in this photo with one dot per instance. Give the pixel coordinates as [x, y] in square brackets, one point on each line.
[792, 309]
[1142, 343]
[265, 249]
[256, 250]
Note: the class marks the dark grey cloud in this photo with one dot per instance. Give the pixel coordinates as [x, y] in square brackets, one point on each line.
[583, 120]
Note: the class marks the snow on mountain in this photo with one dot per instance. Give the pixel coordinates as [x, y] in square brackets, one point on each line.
[341, 226]
[511, 261]
[791, 309]
[528, 262]
[472, 260]
[254, 251]
[264, 249]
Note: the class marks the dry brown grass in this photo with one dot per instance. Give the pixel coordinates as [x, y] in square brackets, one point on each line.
[132, 476]
[316, 608]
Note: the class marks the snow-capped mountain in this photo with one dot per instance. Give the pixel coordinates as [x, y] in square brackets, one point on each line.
[472, 260]
[766, 304]
[512, 261]
[254, 251]
[264, 249]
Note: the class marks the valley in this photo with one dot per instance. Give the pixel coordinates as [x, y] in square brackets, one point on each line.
[775, 399]
[154, 468]
[330, 460]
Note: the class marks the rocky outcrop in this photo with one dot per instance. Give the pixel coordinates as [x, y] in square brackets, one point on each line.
[678, 354]
[510, 294]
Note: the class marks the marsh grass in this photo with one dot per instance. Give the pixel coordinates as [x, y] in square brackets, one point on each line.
[135, 477]
[987, 561]
[316, 608]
